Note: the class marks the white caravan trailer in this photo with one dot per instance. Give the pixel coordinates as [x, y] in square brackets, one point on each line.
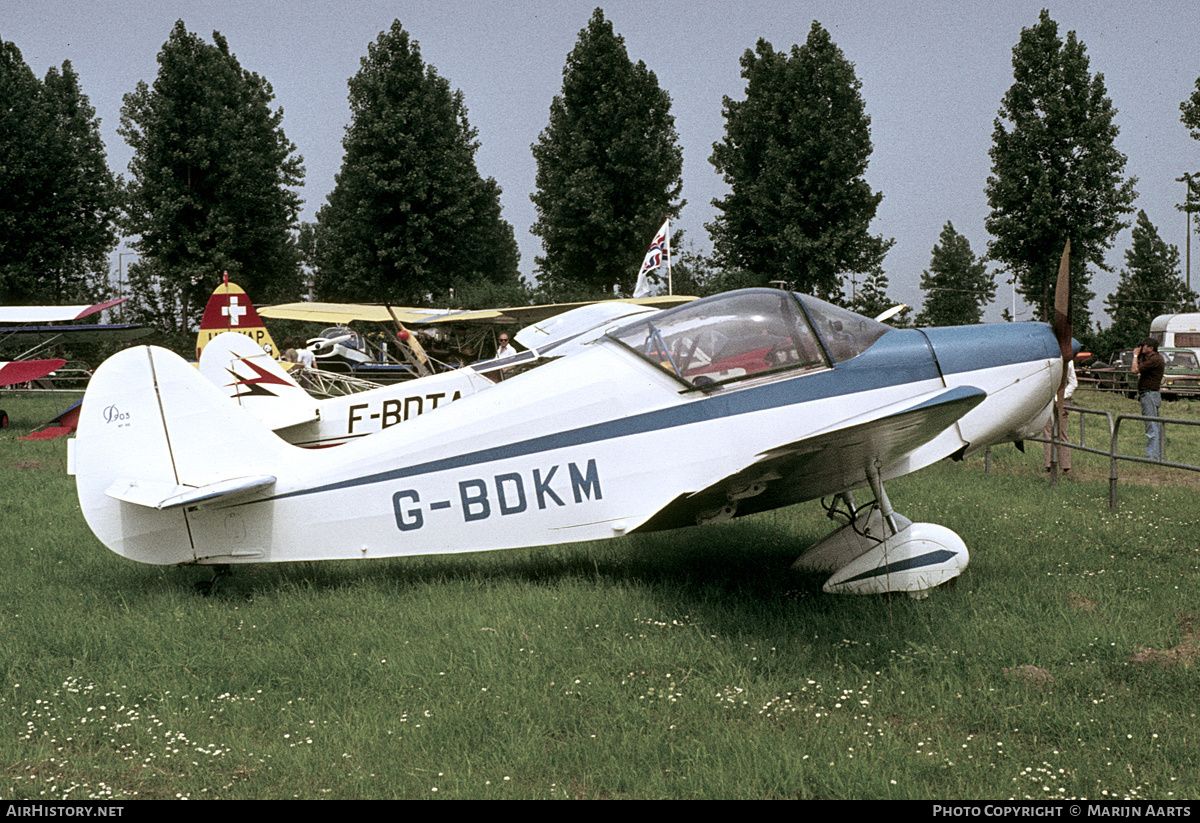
[1181, 331]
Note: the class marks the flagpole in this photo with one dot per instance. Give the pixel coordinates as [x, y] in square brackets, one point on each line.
[670, 286]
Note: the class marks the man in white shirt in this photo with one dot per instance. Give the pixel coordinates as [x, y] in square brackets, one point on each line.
[1064, 452]
[504, 350]
[306, 358]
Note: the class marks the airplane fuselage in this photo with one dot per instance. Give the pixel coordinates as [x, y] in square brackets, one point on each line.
[592, 446]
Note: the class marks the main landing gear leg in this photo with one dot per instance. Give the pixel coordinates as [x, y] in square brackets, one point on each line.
[878, 550]
[209, 587]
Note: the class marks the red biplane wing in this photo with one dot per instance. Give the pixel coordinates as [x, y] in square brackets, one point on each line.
[22, 371]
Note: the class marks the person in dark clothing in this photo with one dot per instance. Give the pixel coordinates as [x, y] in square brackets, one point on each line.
[1148, 365]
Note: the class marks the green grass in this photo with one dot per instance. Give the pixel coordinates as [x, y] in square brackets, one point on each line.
[691, 664]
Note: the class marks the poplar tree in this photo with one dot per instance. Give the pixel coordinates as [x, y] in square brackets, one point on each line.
[609, 168]
[212, 179]
[794, 155]
[1056, 172]
[957, 286]
[57, 196]
[410, 214]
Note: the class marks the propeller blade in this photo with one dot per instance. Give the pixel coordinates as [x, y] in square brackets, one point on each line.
[1062, 333]
[1062, 308]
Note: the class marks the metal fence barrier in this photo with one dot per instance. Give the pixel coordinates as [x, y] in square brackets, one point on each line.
[1114, 429]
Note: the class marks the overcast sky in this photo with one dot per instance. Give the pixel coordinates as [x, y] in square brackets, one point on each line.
[933, 74]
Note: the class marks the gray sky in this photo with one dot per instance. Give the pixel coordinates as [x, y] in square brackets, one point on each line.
[932, 73]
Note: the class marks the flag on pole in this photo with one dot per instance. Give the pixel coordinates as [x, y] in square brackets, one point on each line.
[660, 248]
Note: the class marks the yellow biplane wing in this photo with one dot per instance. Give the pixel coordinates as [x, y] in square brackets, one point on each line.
[339, 314]
[342, 313]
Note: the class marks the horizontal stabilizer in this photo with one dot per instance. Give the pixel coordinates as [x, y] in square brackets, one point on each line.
[164, 496]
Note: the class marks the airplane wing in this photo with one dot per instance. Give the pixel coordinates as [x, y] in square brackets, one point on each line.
[342, 313]
[830, 461]
[52, 314]
[339, 314]
[65, 423]
[39, 335]
[27, 333]
[22, 371]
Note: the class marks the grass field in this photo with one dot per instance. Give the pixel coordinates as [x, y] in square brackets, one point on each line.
[691, 664]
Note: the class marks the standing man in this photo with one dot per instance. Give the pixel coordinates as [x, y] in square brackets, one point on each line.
[1148, 365]
[504, 350]
[1060, 409]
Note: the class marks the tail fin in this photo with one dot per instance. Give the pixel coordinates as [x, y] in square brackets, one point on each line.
[229, 309]
[156, 440]
[242, 370]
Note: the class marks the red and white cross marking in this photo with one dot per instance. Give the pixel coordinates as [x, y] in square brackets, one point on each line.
[233, 311]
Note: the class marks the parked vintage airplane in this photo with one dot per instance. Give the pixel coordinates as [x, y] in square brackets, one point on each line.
[26, 327]
[726, 406]
[421, 339]
[395, 353]
[260, 384]
[29, 333]
[13, 373]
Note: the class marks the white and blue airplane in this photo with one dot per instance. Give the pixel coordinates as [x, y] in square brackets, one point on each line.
[726, 406]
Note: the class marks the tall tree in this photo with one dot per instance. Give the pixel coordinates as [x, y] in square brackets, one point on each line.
[794, 155]
[1056, 172]
[212, 183]
[609, 167]
[410, 214]
[57, 196]
[1150, 285]
[871, 298]
[957, 286]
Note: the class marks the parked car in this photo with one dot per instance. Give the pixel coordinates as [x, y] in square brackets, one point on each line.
[1181, 377]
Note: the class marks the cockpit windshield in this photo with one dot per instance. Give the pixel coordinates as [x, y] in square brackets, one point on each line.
[748, 333]
[844, 333]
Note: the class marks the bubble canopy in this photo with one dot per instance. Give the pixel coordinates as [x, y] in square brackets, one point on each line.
[748, 333]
